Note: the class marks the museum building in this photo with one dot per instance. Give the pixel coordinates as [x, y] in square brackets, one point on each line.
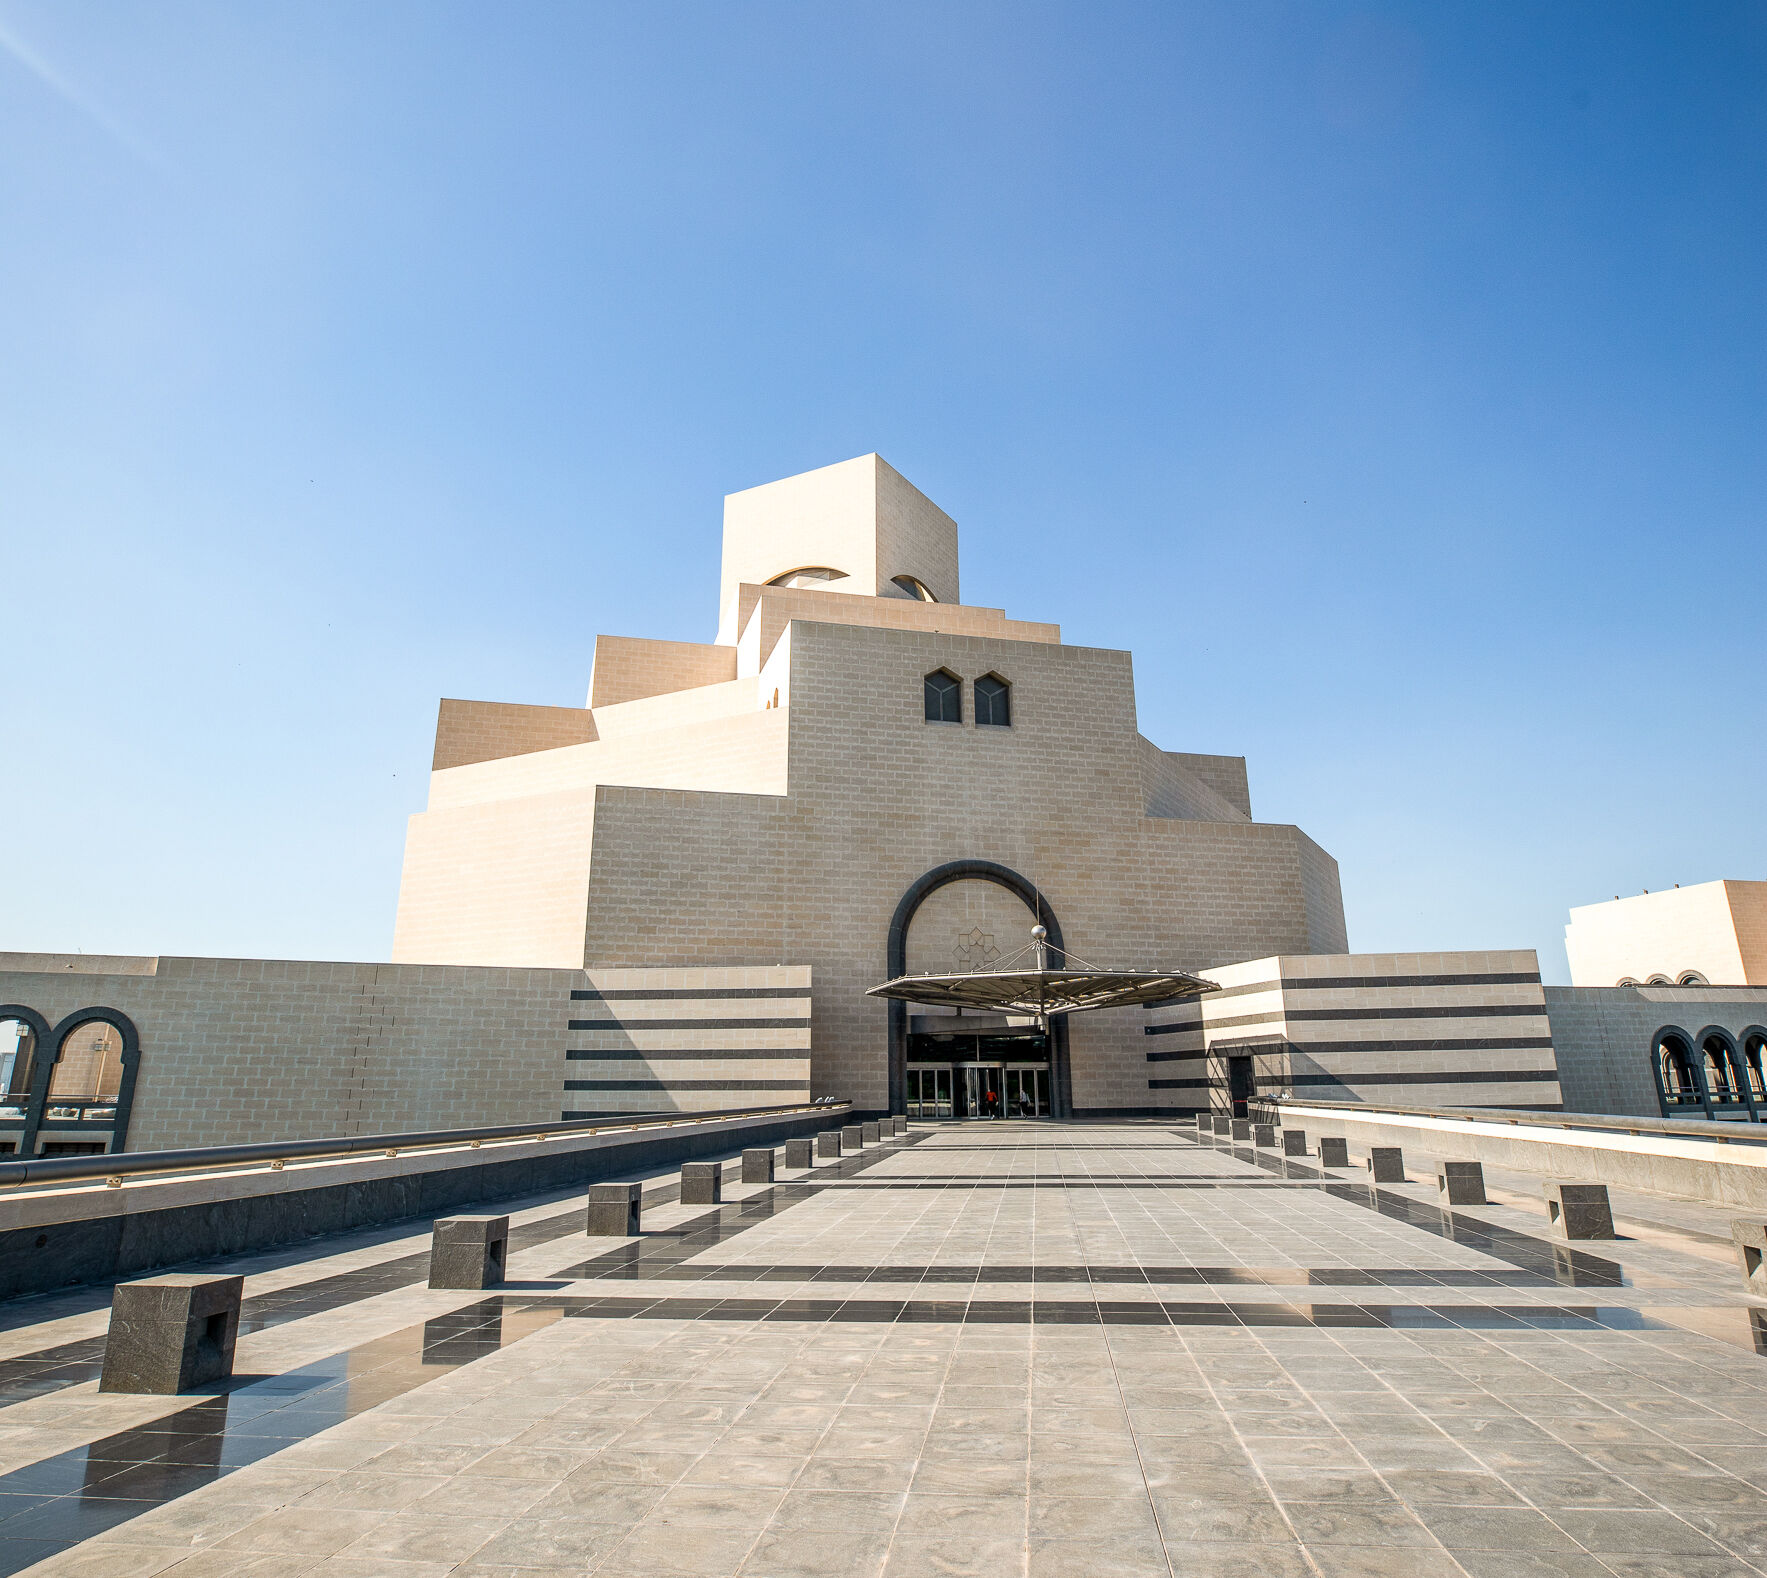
[685, 894]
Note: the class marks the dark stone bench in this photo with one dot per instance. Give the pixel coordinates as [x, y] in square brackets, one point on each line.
[1461, 1183]
[871, 1133]
[1749, 1234]
[1334, 1152]
[171, 1333]
[614, 1210]
[757, 1165]
[702, 1183]
[852, 1136]
[828, 1145]
[1579, 1210]
[1239, 1128]
[468, 1251]
[800, 1153]
[1294, 1142]
[1264, 1134]
[1386, 1164]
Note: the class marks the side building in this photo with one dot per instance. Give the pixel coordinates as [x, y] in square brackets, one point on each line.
[1408, 1029]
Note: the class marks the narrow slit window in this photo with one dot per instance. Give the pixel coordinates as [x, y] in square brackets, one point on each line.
[944, 697]
[993, 701]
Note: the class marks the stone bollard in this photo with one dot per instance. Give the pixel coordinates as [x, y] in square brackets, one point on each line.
[1462, 1183]
[1239, 1128]
[828, 1145]
[1264, 1134]
[1294, 1142]
[1386, 1164]
[899, 1124]
[1221, 1123]
[1580, 1210]
[468, 1251]
[1749, 1234]
[614, 1210]
[702, 1183]
[871, 1133]
[852, 1136]
[171, 1333]
[1205, 1123]
[757, 1165]
[1334, 1152]
[800, 1153]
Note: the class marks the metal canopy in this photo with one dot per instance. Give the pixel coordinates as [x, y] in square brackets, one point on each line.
[1044, 992]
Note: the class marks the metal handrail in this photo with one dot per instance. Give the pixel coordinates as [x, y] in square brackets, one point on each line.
[76, 1169]
[1670, 1128]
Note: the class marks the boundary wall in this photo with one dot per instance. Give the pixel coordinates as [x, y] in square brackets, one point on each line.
[95, 1231]
[1720, 1163]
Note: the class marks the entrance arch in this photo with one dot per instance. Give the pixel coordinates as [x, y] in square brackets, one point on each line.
[896, 964]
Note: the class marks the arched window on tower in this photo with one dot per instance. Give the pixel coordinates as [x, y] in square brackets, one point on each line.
[914, 587]
[993, 701]
[1691, 978]
[808, 575]
[944, 697]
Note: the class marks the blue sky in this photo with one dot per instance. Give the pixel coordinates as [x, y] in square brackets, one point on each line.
[1389, 379]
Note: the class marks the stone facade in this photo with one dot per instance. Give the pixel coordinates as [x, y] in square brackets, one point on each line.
[1411, 1029]
[238, 1050]
[782, 813]
[1709, 934]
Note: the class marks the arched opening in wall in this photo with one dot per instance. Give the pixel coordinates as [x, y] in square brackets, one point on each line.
[808, 575]
[18, 1061]
[1659, 980]
[1718, 1061]
[1626, 980]
[1691, 978]
[914, 587]
[964, 1064]
[89, 1072]
[1673, 1055]
[1754, 1061]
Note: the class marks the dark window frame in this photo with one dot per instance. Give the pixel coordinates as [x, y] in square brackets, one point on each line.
[942, 704]
[995, 703]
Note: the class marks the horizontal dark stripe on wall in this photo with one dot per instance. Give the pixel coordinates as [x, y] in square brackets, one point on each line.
[687, 1084]
[689, 1024]
[1177, 1027]
[1519, 1076]
[1461, 1044]
[1340, 982]
[664, 994]
[1275, 1017]
[1510, 1010]
[681, 1054]
[1177, 1057]
[1178, 1084]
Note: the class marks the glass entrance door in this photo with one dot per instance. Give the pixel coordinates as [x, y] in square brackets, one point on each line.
[1027, 1093]
[929, 1092]
[982, 1096]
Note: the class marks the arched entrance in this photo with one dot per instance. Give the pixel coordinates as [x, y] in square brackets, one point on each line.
[986, 1069]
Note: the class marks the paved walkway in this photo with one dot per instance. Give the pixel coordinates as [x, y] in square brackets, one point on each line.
[1072, 1350]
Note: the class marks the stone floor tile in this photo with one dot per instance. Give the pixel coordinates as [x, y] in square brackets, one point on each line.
[975, 1555]
[1098, 1557]
[317, 1531]
[1622, 1532]
[804, 1553]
